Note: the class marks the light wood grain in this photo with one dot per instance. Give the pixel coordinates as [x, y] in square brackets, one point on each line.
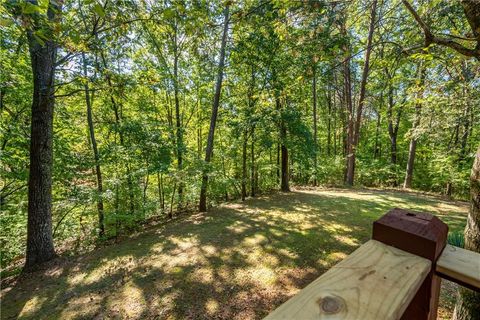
[460, 265]
[375, 282]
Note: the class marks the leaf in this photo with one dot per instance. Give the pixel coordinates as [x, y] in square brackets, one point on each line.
[169, 13]
[5, 22]
[38, 39]
[29, 8]
[98, 9]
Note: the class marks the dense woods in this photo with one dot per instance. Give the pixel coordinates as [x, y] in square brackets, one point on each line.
[117, 113]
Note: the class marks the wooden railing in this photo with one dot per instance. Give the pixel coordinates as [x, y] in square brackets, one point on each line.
[396, 275]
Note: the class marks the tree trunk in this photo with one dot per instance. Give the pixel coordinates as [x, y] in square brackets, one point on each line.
[314, 95]
[348, 116]
[252, 169]
[161, 192]
[376, 151]
[410, 163]
[329, 123]
[416, 122]
[466, 130]
[334, 107]
[468, 303]
[392, 123]
[244, 165]
[284, 186]
[96, 157]
[40, 246]
[213, 119]
[355, 133]
[178, 122]
[278, 163]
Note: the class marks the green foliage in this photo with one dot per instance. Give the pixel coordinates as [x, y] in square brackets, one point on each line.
[140, 55]
[456, 238]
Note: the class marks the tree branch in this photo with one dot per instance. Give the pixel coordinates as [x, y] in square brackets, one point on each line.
[446, 42]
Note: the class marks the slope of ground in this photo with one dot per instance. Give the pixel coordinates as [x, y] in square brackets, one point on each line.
[239, 261]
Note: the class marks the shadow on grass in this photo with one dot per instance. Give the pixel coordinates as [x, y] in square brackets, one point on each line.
[238, 261]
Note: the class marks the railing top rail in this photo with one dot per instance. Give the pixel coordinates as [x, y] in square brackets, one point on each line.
[460, 266]
[376, 281]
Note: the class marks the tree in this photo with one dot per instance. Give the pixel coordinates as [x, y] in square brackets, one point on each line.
[468, 302]
[96, 156]
[43, 55]
[413, 140]
[355, 120]
[472, 14]
[216, 103]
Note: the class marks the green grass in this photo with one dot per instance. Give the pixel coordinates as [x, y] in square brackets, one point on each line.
[239, 261]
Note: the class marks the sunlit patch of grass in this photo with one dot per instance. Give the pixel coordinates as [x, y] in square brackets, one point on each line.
[133, 301]
[32, 306]
[212, 306]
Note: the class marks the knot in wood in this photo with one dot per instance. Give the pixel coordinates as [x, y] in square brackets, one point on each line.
[331, 305]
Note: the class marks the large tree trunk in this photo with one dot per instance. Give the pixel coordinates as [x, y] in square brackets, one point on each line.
[43, 58]
[213, 119]
[96, 157]
[284, 185]
[416, 122]
[468, 303]
[355, 133]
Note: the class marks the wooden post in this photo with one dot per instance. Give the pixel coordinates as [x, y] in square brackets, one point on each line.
[421, 234]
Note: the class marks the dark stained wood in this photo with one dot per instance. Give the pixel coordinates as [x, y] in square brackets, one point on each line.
[421, 234]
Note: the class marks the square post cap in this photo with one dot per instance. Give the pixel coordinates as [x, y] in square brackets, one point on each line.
[418, 233]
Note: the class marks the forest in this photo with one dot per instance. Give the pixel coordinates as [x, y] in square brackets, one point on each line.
[122, 116]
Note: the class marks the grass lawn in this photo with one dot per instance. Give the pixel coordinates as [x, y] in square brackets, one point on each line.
[238, 261]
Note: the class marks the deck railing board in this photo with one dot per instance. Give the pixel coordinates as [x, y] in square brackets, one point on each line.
[396, 275]
[376, 281]
[460, 265]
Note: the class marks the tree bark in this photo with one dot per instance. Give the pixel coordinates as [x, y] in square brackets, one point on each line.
[314, 96]
[376, 151]
[329, 123]
[392, 123]
[244, 165]
[468, 302]
[161, 192]
[178, 122]
[284, 185]
[213, 119]
[355, 133]
[278, 163]
[96, 157]
[252, 160]
[40, 246]
[348, 115]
